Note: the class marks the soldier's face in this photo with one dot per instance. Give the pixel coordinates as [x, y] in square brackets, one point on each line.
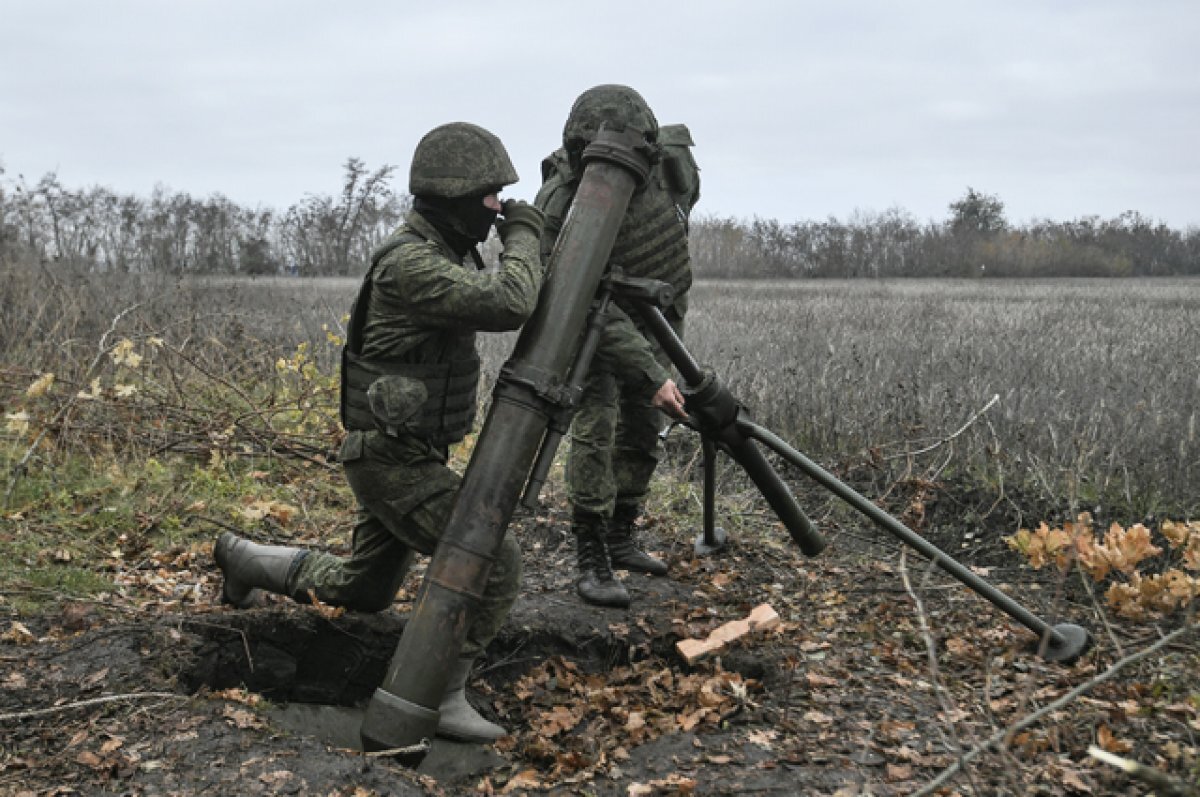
[492, 202]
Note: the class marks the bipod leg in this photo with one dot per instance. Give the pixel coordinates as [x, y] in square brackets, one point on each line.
[1063, 642]
[713, 538]
[707, 396]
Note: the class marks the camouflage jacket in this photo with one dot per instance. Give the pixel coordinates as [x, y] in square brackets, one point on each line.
[416, 318]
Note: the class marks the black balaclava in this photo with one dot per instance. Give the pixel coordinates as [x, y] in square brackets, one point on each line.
[463, 221]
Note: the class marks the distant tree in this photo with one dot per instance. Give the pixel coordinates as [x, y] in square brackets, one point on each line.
[328, 235]
[715, 245]
[8, 229]
[254, 258]
[977, 213]
[121, 221]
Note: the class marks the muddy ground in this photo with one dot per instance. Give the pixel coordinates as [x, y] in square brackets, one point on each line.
[865, 688]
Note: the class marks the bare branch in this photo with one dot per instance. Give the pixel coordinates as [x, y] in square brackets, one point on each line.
[95, 701]
[1050, 708]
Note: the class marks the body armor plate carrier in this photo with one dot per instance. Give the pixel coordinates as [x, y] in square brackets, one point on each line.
[435, 401]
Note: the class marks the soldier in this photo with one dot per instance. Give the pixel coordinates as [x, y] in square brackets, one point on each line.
[614, 435]
[409, 376]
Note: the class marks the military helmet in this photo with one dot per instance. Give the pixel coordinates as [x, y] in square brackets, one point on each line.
[459, 159]
[614, 104]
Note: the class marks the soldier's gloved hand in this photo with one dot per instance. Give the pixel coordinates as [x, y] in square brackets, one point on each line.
[517, 212]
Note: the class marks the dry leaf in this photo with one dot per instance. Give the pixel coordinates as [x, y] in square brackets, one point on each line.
[40, 385]
[241, 718]
[764, 738]
[1108, 741]
[238, 695]
[1074, 781]
[276, 778]
[525, 779]
[89, 759]
[556, 720]
[94, 679]
[18, 634]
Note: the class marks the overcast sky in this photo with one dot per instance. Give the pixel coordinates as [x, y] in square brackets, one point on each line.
[800, 110]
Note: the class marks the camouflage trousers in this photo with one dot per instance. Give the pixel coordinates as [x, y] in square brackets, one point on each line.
[615, 443]
[405, 492]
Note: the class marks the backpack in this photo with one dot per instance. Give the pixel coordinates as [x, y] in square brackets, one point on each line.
[679, 167]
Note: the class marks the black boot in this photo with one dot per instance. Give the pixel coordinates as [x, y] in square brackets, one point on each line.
[596, 584]
[622, 549]
[248, 565]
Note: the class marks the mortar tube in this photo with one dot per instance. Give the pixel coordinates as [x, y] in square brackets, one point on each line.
[403, 710]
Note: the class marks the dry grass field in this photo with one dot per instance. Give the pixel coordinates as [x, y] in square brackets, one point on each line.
[1082, 393]
[967, 408]
[1096, 382]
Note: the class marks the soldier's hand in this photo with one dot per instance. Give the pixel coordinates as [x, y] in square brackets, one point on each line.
[517, 212]
[669, 399]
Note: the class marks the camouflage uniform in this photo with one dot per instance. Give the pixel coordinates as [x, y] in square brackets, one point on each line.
[424, 307]
[614, 436]
[409, 376]
[615, 443]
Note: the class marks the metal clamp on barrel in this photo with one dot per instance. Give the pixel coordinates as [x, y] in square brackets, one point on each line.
[641, 289]
[625, 147]
[535, 389]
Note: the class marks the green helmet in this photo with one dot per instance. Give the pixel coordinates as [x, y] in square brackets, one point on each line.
[459, 159]
[616, 105]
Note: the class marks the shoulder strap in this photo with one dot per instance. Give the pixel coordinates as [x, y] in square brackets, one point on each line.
[358, 310]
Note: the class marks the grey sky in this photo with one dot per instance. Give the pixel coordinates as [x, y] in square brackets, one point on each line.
[800, 110]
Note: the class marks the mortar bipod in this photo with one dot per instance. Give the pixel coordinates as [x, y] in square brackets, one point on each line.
[719, 417]
[712, 537]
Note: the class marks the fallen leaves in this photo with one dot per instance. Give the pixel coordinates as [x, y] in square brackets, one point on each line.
[558, 719]
[242, 718]
[259, 509]
[672, 784]
[577, 722]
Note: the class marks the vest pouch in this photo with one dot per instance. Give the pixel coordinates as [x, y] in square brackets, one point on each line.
[395, 402]
[679, 166]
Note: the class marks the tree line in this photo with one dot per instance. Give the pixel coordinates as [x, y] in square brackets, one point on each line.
[173, 232]
[333, 235]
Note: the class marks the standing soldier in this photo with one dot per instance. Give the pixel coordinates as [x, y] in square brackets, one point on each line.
[410, 371]
[614, 435]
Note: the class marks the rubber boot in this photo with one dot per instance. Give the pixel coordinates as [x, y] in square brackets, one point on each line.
[623, 551]
[248, 565]
[458, 719]
[596, 584]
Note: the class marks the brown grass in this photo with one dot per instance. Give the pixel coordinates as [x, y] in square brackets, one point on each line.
[1097, 380]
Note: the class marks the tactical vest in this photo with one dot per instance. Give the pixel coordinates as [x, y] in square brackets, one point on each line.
[652, 240]
[448, 411]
